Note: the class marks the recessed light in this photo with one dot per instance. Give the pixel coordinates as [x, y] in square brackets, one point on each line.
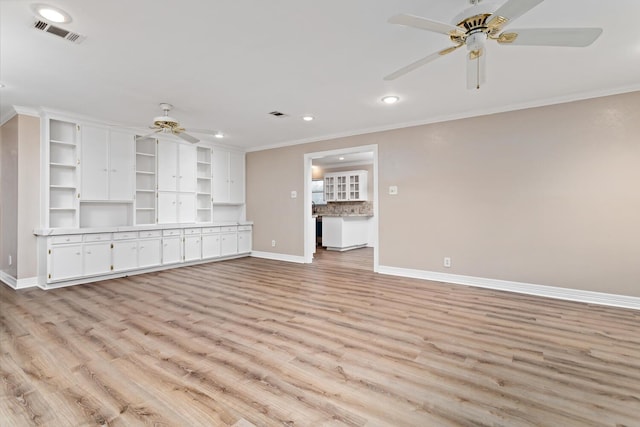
[340, 158]
[51, 13]
[307, 118]
[219, 135]
[391, 99]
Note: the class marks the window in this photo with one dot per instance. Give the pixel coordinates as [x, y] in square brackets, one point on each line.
[317, 192]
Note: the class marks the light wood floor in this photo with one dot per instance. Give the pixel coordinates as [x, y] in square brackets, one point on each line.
[257, 342]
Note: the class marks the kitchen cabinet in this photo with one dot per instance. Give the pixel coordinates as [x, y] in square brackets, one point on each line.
[229, 241]
[64, 262]
[228, 176]
[107, 165]
[350, 186]
[125, 255]
[176, 166]
[149, 249]
[97, 258]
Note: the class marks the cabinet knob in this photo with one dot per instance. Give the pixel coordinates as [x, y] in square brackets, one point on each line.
[77, 253]
[88, 252]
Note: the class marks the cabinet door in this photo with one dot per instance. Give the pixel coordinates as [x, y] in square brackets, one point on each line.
[95, 163]
[187, 169]
[236, 177]
[210, 245]
[186, 207]
[329, 188]
[220, 166]
[228, 244]
[97, 258]
[65, 262]
[149, 253]
[125, 255]
[192, 248]
[244, 242]
[121, 169]
[167, 166]
[167, 208]
[341, 188]
[171, 252]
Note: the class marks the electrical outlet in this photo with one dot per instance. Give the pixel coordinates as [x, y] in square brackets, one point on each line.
[273, 243]
[393, 190]
[294, 194]
[447, 262]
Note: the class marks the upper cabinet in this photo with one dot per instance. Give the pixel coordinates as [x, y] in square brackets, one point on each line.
[176, 166]
[349, 186]
[228, 176]
[107, 164]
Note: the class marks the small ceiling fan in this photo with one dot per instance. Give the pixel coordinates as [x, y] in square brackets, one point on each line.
[486, 21]
[167, 124]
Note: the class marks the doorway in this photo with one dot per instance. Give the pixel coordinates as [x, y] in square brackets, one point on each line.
[356, 158]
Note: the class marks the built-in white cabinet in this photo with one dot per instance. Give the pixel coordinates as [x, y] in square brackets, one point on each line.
[171, 246]
[62, 143]
[145, 181]
[210, 242]
[107, 164]
[350, 186]
[177, 171]
[228, 176]
[83, 257]
[192, 244]
[244, 239]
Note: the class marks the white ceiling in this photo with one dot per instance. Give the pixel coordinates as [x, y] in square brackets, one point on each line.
[226, 64]
[347, 159]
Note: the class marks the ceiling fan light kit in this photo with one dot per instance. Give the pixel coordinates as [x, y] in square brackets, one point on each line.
[486, 21]
[166, 124]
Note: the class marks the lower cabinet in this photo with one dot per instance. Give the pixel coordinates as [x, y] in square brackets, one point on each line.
[64, 262]
[72, 257]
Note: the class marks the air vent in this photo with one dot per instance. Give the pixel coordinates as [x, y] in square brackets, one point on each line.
[277, 114]
[57, 31]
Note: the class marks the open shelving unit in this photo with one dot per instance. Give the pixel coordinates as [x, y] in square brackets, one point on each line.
[63, 174]
[146, 181]
[203, 189]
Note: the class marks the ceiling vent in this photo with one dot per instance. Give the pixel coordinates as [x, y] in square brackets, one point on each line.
[57, 31]
[277, 114]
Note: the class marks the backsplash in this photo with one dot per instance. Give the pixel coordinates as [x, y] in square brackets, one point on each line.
[345, 208]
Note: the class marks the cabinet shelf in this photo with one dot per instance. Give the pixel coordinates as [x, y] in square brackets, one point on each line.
[139, 190]
[63, 187]
[203, 163]
[204, 178]
[61, 209]
[63, 165]
[203, 194]
[145, 154]
[145, 209]
[145, 173]
[55, 141]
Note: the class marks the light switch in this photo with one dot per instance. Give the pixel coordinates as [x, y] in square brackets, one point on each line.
[393, 190]
[294, 194]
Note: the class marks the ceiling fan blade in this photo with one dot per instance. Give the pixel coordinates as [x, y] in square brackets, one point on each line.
[204, 131]
[426, 24]
[476, 61]
[510, 11]
[569, 37]
[419, 63]
[148, 135]
[186, 137]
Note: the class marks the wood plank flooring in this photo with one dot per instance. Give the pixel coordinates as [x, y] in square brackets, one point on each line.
[253, 342]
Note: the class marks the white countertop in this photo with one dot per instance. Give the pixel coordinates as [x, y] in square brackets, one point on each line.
[88, 230]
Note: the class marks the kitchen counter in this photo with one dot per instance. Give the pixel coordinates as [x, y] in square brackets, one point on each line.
[89, 230]
[345, 232]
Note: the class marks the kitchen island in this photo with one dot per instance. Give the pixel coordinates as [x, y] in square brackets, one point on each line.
[345, 232]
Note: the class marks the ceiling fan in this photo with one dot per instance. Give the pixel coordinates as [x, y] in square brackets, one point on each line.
[486, 21]
[167, 124]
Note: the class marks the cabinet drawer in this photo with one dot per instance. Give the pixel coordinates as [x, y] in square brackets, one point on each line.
[150, 233]
[98, 237]
[191, 231]
[229, 229]
[244, 228]
[171, 232]
[210, 230]
[125, 235]
[57, 240]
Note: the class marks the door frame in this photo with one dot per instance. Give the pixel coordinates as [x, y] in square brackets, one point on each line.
[309, 235]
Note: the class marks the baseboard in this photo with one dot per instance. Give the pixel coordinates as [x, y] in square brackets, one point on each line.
[12, 282]
[578, 295]
[278, 257]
